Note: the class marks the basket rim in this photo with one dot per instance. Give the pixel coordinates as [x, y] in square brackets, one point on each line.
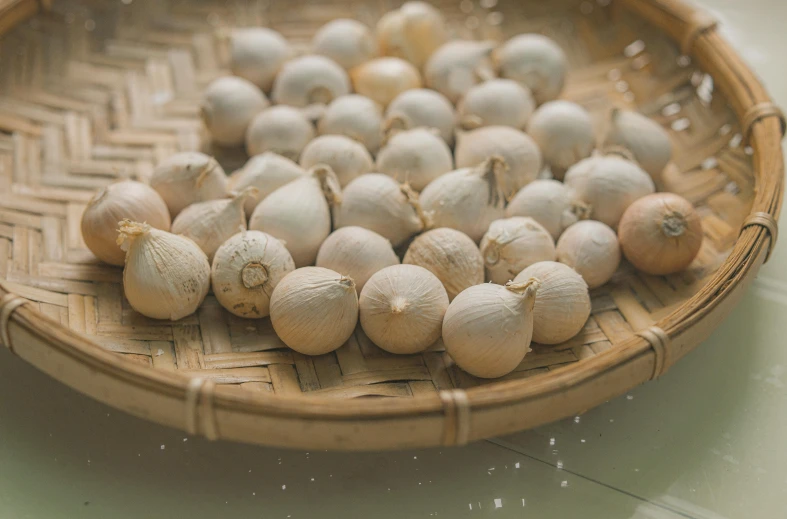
[743, 90]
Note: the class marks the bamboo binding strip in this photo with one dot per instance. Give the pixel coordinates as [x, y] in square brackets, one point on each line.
[759, 112]
[699, 24]
[769, 223]
[200, 416]
[8, 304]
[456, 430]
[82, 108]
[660, 343]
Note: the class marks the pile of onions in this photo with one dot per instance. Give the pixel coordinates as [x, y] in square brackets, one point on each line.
[416, 186]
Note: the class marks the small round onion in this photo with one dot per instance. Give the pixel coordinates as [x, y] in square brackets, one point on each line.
[518, 150]
[188, 177]
[497, 102]
[257, 54]
[458, 65]
[564, 132]
[647, 140]
[383, 79]
[513, 244]
[660, 234]
[608, 185]
[422, 107]
[310, 79]
[402, 308]
[451, 256]
[127, 199]
[412, 32]
[356, 117]
[535, 61]
[246, 269]
[346, 157]
[267, 172]
[348, 42]
[229, 105]
[591, 248]
[548, 202]
[357, 253]
[314, 310]
[281, 129]
[415, 156]
[563, 302]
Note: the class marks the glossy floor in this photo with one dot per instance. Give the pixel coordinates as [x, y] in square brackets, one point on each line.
[705, 441]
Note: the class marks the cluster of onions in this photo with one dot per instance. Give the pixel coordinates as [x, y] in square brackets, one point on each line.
[413, 212]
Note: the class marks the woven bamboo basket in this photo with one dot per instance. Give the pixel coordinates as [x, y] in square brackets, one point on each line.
[94, 90]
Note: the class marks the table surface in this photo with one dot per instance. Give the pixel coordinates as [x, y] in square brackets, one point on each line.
[704, 441]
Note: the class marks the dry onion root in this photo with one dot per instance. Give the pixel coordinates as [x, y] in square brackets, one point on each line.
[415, 156]
[246, 269]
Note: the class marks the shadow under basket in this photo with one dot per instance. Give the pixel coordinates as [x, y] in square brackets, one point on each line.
[94, 90]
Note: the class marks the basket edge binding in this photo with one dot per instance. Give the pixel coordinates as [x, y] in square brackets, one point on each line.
[457, 416]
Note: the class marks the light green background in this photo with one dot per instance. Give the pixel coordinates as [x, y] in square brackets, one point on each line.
[705, 441]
